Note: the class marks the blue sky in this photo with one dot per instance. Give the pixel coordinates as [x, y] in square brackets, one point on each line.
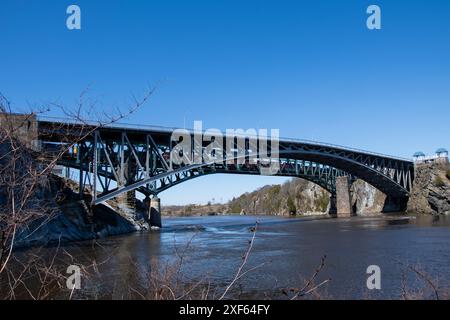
[310, 68]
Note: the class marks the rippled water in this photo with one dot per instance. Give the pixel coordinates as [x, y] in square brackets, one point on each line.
[287, 251]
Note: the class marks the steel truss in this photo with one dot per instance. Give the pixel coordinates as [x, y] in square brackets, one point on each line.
[112, 161]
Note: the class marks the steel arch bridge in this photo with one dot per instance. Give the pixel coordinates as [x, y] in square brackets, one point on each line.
[113, 160]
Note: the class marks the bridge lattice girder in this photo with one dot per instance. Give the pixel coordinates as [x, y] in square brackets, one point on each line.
[117, 160]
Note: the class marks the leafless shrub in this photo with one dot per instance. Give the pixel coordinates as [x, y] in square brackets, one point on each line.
[168, 281]
[240, 272]
[309, 288]
[25, 182]
[417, 284]
[25, 176]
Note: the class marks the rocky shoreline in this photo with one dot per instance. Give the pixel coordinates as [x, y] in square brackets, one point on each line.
[71, 219]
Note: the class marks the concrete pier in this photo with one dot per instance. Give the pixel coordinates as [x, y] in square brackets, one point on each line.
[332, 210]
[127, 199]
[343, 204]
[154, 213]
[129, 173]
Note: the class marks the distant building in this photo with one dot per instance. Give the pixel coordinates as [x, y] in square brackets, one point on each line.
[441, 156]
[441, 152]
[418, 156]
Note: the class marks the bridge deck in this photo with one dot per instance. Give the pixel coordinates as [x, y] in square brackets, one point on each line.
[49, 128]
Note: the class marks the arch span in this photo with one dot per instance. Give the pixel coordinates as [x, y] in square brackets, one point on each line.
[136, 159]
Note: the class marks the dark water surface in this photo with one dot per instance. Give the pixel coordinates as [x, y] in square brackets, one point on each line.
[288, 250]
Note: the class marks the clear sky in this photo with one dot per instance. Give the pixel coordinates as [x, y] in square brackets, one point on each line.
[309, 68]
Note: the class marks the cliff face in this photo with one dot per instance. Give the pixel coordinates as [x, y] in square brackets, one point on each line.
[365, 199]
[69, 219]
[296, 196]
[299, 196]
[431, 190]
[46, 208]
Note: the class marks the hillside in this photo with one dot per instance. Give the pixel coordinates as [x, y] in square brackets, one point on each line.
[296, 196]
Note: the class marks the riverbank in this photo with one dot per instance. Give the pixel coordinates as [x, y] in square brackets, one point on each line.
[70, 219]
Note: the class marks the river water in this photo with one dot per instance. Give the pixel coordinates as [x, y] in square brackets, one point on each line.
[285, 253]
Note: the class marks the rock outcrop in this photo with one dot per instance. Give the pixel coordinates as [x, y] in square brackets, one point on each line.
[299, 196]
[431, 190]
[366, 200]
[68, 218]
[296, 196]
[43, 208]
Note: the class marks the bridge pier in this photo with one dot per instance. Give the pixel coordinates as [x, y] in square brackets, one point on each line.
[154, 212]
[131, 199]
[332, 209]
[343, 204]
[127, 199]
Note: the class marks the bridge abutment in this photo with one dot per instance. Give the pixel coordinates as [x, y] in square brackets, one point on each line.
[23, 127]
[343, 204]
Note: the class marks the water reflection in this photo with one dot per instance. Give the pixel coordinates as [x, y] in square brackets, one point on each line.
[286, 251]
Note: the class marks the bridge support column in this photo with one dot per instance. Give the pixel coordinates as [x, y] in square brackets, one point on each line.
[127, 199]
[131, 199]
[343, 204]
[154, 212]
[332, 208]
